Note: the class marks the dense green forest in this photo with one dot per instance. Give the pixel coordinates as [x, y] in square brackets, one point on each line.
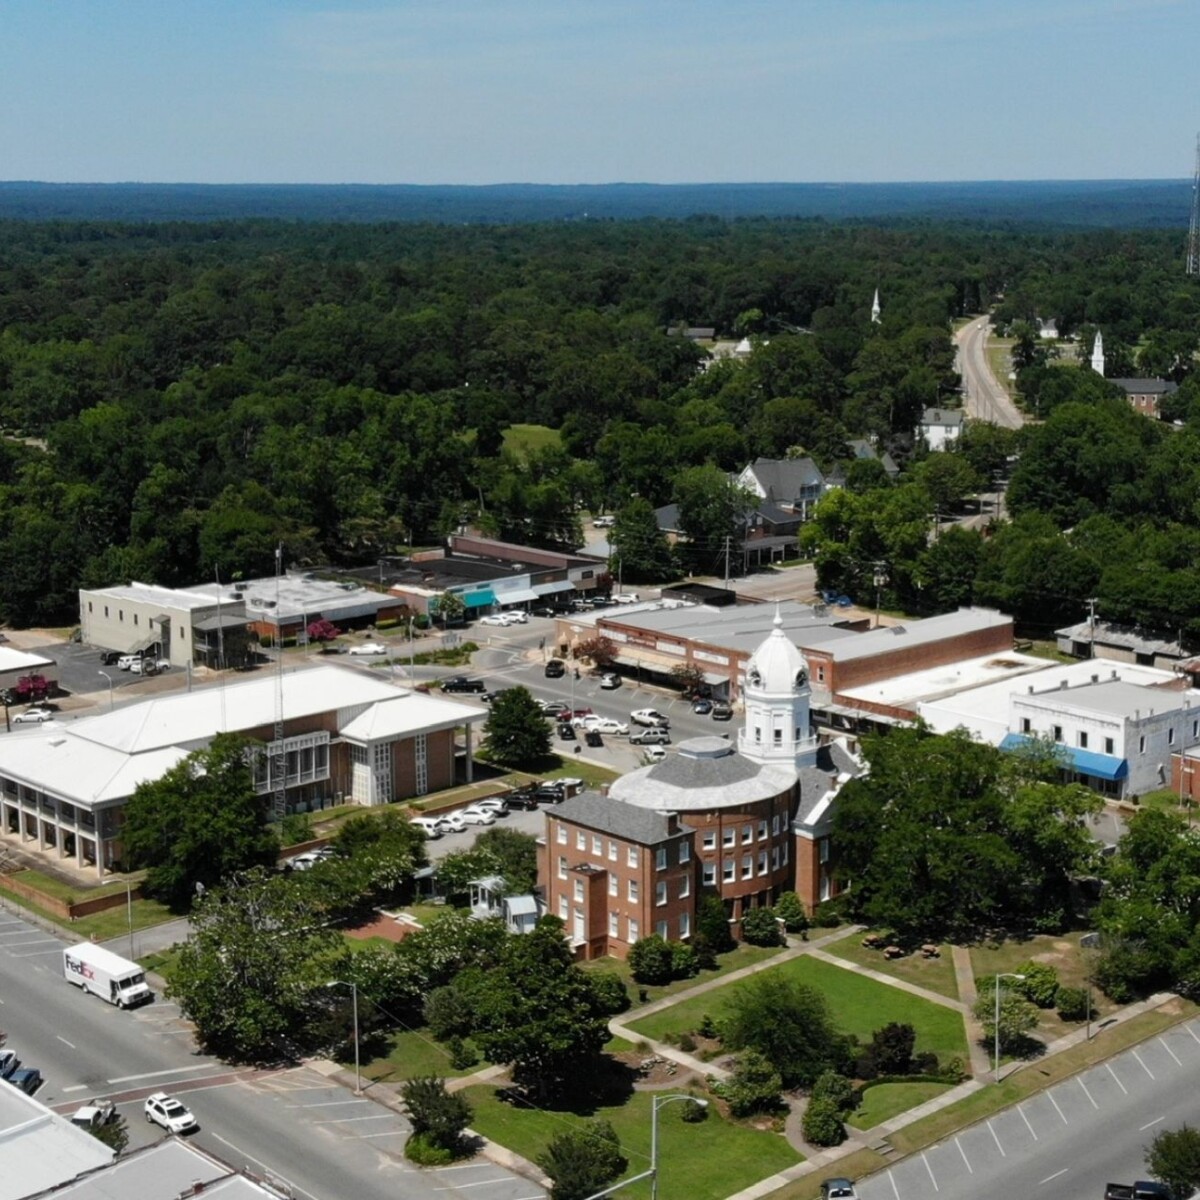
[179, 397]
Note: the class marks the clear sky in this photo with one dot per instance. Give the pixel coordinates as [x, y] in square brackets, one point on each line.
[597, 91]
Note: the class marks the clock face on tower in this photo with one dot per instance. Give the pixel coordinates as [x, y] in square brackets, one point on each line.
[801, 679]
[753, 678]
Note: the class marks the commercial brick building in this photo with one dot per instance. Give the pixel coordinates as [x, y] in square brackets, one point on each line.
[744, 823]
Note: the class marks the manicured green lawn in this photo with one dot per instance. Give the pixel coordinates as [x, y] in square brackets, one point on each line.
[935, 974]
[859, 1006]
[412, 1052]
[104, 925]
[705, 1161]
[522, 440]
[886, 1100]
[161, 961]
[68, 892]
[743, 956]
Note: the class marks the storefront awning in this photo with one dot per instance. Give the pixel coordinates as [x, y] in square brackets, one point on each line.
[1084, 762]
[714, 677]
[517, 596]
[479, 599]
[549, 589]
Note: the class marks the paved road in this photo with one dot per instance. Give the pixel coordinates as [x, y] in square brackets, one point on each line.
[987, 400]
[1066, 1142]
[295, 1125]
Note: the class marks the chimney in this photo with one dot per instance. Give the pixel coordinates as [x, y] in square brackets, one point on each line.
[1095, 678]
[604, 789]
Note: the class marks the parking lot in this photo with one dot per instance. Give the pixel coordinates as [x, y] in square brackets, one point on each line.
[1067, 1141]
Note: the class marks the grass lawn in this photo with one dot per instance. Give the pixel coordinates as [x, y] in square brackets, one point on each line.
[935, 974]
[1062, 953]
[558, 767]
[999, 357]
[1166, 799]
[409, 1052]
[743, 956]
[705, 1161]
[523, 440]
[886, 1100]
[69, 892]
[859, 1006]
[104, 925]
[162, 961]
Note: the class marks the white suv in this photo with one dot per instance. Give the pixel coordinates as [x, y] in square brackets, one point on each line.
[166, 1111]
[431, 827]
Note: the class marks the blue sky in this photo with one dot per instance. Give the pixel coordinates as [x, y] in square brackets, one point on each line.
[596, 91]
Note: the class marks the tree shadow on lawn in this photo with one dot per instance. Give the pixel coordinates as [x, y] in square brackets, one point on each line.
[609, 1085]
[1023, 1049]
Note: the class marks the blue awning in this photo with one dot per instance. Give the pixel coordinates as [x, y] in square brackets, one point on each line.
[479, 599]
[1083, 762]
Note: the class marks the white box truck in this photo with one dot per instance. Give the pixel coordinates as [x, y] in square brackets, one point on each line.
[106, 975]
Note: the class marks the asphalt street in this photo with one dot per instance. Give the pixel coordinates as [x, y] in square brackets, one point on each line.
[293, 1125]
[1067, 1142]
[986, 398]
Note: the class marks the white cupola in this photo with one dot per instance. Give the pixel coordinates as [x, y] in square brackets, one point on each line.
[776, 694]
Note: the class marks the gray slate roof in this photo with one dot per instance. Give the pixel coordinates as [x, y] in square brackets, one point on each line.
[950, 417]
[605, 814]
[1146, 387]
[815, 781]
[1126, 637]
[784, 479]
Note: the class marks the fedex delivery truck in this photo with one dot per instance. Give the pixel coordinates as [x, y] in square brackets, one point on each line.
[106, 975]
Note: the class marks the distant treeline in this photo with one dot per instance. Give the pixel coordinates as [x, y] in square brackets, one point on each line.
[1079, 203]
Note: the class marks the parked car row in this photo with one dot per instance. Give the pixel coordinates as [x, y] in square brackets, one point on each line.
[513, 617]
[481, 812]
[311, 858]
[28, 1079]
[549, 791]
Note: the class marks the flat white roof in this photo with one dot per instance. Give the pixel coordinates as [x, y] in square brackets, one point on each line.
[887, 638]
[984, 710]
[294, 595]
[1110, 698]
[40, 1149]
[151, 593]
[905, 691]
[22, 660]
[412, 712]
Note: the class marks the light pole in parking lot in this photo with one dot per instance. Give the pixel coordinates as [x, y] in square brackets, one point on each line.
[354, 992]
[999, 977]
[110, 688]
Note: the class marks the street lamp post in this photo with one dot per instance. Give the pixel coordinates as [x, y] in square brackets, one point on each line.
[357, 1066]
[110, 688]
[657, 1103]
[1000, 976]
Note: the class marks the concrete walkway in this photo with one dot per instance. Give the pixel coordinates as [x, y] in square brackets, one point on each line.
[891, 980]
[964, 977]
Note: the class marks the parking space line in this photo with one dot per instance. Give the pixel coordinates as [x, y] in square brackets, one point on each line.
[966, 1160]
[995, 1139]
[365, 1137]
[1170, 1052]
[895, 1189]
[1079, 1080]
[1195, 1037]
[329, 1103]
[464, 1167]
[930, 1170]
[1027, 1124]
[351, 1120]
[454, 1187]
[1150, 1124]
[1054, 1176]
[1133, 1051]
[1116, 1079]
[1050, 1097]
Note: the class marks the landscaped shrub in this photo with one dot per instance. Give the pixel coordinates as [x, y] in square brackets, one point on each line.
[708, 1027]
[687, 1043]
[1040, 984]
[827, 915]
[582, 1160]
[754, 1086]
[611, 992]
[437, 1115]
[791, 909]
[650, 960]
[891, 1049]
[822, 1124]
[425, 1152]
[712, 924]
[683, 960]
[1072, 1003]
[463, 1056]
[835, 1088]
[387, 623]
[694, 1112]
[760, 928]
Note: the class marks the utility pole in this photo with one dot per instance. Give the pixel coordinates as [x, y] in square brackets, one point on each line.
[879, 578]
[728, 540]
[278, 756]
[1091, 603]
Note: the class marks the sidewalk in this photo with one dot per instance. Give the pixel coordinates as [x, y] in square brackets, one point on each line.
[964, 976]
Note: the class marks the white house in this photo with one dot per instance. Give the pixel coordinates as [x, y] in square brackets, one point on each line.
[941, 426]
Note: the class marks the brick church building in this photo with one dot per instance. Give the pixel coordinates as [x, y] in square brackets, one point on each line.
[746, 823]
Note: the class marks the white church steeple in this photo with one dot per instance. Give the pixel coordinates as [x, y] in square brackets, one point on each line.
[777, 697]
[875, 309]
[1098, 354]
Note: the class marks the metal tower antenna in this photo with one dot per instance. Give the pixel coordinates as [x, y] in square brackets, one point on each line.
[1193, 247]
[278, 754]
